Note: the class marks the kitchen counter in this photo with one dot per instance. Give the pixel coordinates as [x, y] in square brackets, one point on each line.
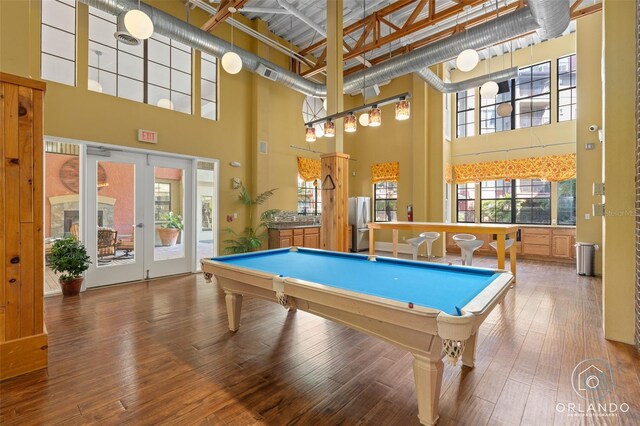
[292, 225]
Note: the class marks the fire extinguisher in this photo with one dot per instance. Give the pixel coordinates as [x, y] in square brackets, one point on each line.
[410, 212]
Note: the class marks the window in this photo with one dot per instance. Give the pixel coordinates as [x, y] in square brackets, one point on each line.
[156, 72]
[567, 102]
[530, 98]
[385, 201]
[115, 68]
[465, 106]
[466, 209]
[169, 74]
[58, 41]
[567, 202]
[162, 192]
[208, 86]
[532, 201]
[309, 197]
[495, 201]
[524, 201]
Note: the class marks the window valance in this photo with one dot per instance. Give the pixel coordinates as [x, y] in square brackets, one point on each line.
[385, 172]
[553, 168]
[448, 173]
[309, 169]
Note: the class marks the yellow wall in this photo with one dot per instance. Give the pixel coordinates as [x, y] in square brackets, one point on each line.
[589, 50]
[77, 113]
[619, 169]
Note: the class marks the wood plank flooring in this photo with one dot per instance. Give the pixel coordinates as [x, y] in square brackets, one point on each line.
[159, 352]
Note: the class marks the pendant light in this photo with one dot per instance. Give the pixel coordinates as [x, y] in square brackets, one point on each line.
[505, 108]
[364, 117]
[350, 123]
[490, 88]
[375, 116]
[468, 58]
[231, 61]
[310, 134]
[403, 109]
[329, 129]
[138, 23]
[94, 85]
[165, 103]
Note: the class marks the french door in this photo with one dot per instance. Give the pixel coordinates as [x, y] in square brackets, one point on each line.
[139, 216]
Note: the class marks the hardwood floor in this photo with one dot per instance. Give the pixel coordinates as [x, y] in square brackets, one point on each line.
[159, 352]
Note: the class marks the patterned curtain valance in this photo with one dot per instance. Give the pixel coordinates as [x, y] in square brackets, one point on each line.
[553, 168]
[385, 172]
[309, 169]
[448, 173]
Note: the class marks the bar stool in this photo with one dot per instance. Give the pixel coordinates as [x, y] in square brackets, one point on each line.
[430, 237]
[415, 243]
[507, 245]
[468, 244]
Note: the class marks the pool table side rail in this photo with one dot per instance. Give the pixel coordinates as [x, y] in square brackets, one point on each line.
[490, 295]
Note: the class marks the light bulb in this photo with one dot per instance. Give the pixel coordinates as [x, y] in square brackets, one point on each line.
[231, 62]
[138, 24]
[467, 60]
[364, 119]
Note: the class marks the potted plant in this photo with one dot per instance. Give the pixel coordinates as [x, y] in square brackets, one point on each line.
[170, 229]
[251, 237]
[69, 259]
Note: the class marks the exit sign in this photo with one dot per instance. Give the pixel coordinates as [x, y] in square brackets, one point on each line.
[148, 136]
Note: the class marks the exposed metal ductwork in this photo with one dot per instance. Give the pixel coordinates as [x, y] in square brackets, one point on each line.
[434, 81]
[551, 16]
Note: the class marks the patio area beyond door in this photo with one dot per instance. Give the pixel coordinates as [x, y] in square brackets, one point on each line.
[139, 217]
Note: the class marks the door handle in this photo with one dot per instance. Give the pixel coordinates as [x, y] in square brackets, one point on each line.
[140, 225]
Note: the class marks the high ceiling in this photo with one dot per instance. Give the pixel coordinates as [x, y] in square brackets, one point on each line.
[392, 27]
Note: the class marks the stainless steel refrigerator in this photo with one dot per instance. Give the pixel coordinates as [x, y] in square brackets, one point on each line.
[359, 217]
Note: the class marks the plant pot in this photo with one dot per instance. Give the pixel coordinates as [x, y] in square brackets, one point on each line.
[168, 236]
[71, 287]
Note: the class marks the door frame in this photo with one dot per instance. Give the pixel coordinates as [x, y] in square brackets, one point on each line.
[119, 148]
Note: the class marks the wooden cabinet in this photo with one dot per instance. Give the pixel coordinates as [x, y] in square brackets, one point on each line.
[350, 238]
[547, 243]
[302, 237]
[23, 338]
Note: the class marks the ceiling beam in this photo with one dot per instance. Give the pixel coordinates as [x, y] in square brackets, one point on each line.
[222, 13]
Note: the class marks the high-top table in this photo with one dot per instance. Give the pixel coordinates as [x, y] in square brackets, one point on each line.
[500, 230]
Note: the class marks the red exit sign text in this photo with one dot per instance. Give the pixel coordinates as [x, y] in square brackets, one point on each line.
[148, 136]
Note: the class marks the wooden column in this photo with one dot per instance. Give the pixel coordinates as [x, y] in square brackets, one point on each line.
[335, 166]
[23, 338]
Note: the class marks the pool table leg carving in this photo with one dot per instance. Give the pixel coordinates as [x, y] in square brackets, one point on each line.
[469, 354]
[428, 378]
[234, 306]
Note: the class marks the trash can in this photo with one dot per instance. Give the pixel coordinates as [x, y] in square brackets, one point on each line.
[585, 254]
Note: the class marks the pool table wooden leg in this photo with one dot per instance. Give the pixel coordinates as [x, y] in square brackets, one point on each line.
[234, 306]
[428, 377]
[469, 354]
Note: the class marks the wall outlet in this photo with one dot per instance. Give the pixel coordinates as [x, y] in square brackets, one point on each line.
[587, 216]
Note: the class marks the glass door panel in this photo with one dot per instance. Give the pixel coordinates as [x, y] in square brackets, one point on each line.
[169, 217]
[205, 211]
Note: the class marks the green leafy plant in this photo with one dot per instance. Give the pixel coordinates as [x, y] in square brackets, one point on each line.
[172, 220]
[251, 237]
[69, 258]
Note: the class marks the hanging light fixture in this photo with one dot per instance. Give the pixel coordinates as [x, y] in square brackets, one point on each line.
[231, 61]
[329, 129]
[165, 103]
[364, 119]
[94, 85]
[138, 23]
[489, 89]
[403, 109]
[350, 123]
[468, 58]
[505, 108]
[375, 116]
[310, 134]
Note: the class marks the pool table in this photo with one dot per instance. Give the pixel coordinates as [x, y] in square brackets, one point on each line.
[430, 309]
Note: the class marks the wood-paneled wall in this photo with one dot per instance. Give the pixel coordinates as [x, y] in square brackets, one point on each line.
[23, 339]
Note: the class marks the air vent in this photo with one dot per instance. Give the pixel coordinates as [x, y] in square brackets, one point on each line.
[267, 72]
[123, 35]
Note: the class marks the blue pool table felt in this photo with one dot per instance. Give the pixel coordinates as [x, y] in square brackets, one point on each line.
[442, 287]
